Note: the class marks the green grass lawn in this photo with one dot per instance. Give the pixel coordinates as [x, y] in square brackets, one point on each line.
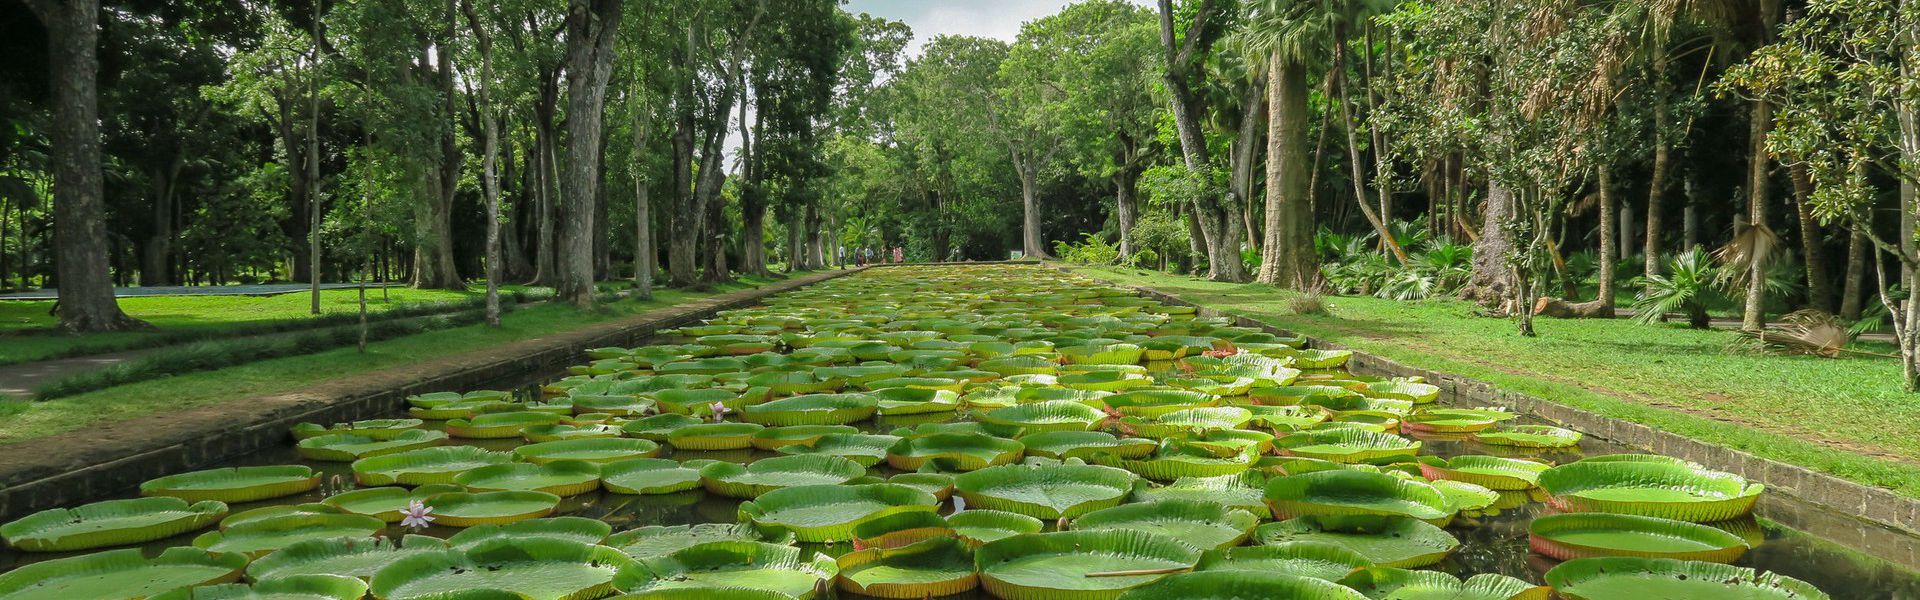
[212, 315]
[1847, 417]
[23, 420]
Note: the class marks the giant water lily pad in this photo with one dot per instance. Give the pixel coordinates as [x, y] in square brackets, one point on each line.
[297, 587]
[425, 466]
[1384, 582]
[935, 567]
[803, 435]
[588, 450]
[374, 428]
[560, 478]
[658, 540]
[1045, 492]
[1245, 491]
[813, 409]
[1347, 445]
[542, 569]
[110, 523]
[867, 450]
[826, 513]
[1403, 542]
[1624, 577]
[385, 503]
[786, 570]
[500, 424]
[125, 574]
[1491, 472]
[1530, 436]
[1084, 444]
[258, 537]
[1237, 585]
[714, 436]
[1053, 415]
[1584, 535]
[573, 529]
[349, 447]
[1353, 492]
[1201, 524]
[1318, 560]
[656, 428]
[769, 474]
[958, 451]
[358, 556]
[1652, 489]
[1077, 564]
[234, 484]
[1455, 420]
[915, 401]
[491, 508]
[1156, 402]
[646, 476]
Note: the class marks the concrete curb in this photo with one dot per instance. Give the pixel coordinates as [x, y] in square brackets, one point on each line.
[1875, 506]
[113, 459]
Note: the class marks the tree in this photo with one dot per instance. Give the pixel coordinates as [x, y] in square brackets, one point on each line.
[1185, 52]
[86, 289]
[592, 27]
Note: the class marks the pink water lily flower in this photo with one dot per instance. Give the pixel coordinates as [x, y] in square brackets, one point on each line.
[719, 411]
[417, 515]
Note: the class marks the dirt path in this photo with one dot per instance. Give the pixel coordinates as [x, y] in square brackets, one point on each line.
[19, 380]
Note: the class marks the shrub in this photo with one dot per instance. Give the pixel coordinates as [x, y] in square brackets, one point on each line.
[1092, 250]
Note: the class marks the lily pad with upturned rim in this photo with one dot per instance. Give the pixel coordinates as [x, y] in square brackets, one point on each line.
[124, 573]
[598, 451]
[1347, 445]
[1491, 472]
[1201, 524]
[1038, 417]
[1319, 560]
[1530, 436]
[352, 556]
[1651, 489]
[425, 466]
[1045, 492]
[234, 484]
[959, 451]
[1084, 444]
[714, 436]
[658, 540]
[110, 523]
[1584, 535]
[649, 476]
[561, 478]
[813, 409]
[1353, 492]
[804, 435]
[534, 568]
[373, 428]
[768, 474]
[1056, 566]
[1626, 577]
[259, 537]
[1403, 542]
[573, 529]
[935, 567]
[385, 503]
[1238, 585]
[785, 570]
[461, 509]
[828, 513]
[867, 450]
[297, 587]
[1386, 582]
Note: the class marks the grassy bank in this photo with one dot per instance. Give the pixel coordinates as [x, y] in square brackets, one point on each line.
[23, 420]
[1846, 416]
[25, 324]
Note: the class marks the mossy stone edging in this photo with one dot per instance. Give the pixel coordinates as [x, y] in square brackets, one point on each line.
[1878, 506]
[111, 460]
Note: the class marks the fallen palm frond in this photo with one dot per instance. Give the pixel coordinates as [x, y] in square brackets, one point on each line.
[1750, 249]
[1810, 332]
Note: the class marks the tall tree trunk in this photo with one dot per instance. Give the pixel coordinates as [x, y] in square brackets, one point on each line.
[489, 160]
[643, 261]
[156, 259]
[547, 184]
[1851, 299]
[1287, 259]
[1690, 213]
[1492, 282]
[592, 26]
[1813, 258]
[313, 161]
[1604, 296]
[1211, 217]
[1353, 155]
[1656, 190]
[1030, 243]
[86, 287]
[1754, 317]
[1245, 152]
[1124, 180]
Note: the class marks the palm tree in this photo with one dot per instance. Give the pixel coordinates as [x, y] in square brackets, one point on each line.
[1686, 286]
[1293, 36]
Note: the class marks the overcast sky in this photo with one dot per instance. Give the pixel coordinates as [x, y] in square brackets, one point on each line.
[985, 18]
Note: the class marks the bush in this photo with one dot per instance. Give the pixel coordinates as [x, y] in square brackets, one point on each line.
[1160, 234]
[1092, 250]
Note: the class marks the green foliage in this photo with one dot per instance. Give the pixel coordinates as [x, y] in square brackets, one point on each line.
[1162, 235]
[1353, 264]
[1688, 285]
[1092, 250]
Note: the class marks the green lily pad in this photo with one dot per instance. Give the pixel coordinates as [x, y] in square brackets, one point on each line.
[1651, 489]
[827, 513]
[598, 451]
[373, 428]
[120, 574]
[561, 478]
[1530, 436]
[1318, 560]
[1235, 585]
[813, 409]
[769, 474]
[1043, 566]
[1201, 524]
[804, 435]
[110, 523]
[1384, 582]
[1084, 445]
[657, 540]
[648, 476]
[935, 567]
[1585, 535]
[385, 503]
[714, 436]
[957, 451]
[1347, 445]
[358, 556]
[462, 509]
[867, 450]
[572, 529]
[546, 569]
[425, 466]
[1352, 492]
[1045, 492]
[1626, 577]
[234, 484]
[256, 538]
[785, 570]
[1403, 542]
[1039, 417]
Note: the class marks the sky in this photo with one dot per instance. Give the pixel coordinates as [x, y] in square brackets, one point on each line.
[985, 18]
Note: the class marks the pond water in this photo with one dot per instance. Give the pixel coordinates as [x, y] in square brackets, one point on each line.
[1496, 543]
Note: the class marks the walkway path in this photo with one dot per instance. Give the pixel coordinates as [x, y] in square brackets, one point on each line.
[19, 380]
[195, 290]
